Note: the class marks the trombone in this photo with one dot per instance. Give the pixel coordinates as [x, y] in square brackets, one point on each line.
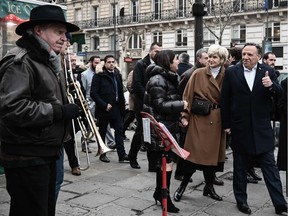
[79, 97]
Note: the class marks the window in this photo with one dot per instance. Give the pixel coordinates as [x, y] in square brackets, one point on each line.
[78, 14]
[157, 9]
[157, 37]
[273, 31]
[208, 37]
[95, 43]
[181, 8]
[135, 42]
[278, 51]
[134, 9]
[238, 34]
[239, 5]
[95, 15]
[181, 37]
[210, 6]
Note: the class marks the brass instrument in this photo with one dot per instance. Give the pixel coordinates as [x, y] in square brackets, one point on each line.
[102, 148]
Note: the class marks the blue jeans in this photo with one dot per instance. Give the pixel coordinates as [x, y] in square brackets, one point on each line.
[59, 173]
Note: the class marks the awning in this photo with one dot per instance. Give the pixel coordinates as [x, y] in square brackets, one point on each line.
[78, 38]
[18, 8]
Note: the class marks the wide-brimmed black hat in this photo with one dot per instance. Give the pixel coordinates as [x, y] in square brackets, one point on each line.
[45, 14]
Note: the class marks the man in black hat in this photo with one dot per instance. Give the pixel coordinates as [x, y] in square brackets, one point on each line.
[34, 112]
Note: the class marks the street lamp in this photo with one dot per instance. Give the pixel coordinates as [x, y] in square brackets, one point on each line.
[114, 22]
[198, 13]
[266, 44]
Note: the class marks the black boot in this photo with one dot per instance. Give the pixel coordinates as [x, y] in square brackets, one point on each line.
[157, 195]
[170, 206]
[180, 190]
[209, 190]
[179, 193]
[152, 162]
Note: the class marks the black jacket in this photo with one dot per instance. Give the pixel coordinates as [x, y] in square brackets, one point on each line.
[161, 98]
[29, 124]
[139, 82]
[103, 92]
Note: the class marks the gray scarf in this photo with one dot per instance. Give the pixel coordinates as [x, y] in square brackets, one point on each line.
[54, 59]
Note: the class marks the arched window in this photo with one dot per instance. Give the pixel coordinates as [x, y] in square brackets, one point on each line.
[135, 42]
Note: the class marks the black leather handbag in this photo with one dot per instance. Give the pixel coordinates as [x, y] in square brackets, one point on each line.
[201, 107]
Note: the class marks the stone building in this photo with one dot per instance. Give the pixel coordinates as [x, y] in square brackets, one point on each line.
[126, 28]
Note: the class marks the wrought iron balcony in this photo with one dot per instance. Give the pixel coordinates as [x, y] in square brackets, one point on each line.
[168, 15]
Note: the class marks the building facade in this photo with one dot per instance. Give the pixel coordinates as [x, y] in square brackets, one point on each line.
[126, 28]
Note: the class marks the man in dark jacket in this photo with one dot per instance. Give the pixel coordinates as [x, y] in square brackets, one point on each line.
[138, 89]
[33, 111]
[201, 61]
[269, 58]
[245, 109]
[184, 63]
[107, 92]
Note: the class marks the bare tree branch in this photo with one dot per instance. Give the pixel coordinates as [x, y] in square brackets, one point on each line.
[222, 12]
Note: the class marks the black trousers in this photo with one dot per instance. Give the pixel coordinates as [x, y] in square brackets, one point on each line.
[69, 147]
[128, 119]
[137, 139]
[270, 174]
[32, 190]
[117, 124]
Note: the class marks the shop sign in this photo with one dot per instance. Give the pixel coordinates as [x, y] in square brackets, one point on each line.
[18, 8]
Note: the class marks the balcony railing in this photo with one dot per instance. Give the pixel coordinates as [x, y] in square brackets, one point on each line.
[165, 15]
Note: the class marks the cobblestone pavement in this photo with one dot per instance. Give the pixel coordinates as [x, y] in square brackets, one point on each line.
[115, 189]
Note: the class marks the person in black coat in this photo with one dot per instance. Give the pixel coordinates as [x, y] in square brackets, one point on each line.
[163, 102]
[282, 108]
[107, 92]
[184, 63]
[139, 81]
[245, 109]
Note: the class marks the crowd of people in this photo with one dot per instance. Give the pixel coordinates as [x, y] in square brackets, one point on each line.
[226, 100]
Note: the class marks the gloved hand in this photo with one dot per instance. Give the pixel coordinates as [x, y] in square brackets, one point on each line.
[71, 111]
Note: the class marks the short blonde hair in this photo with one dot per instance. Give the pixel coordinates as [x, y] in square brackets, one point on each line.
[221, 51]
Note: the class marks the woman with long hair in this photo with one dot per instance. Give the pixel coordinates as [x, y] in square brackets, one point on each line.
[163, 102]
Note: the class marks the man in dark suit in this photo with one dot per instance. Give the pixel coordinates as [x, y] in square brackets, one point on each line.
[245, 110]
[107, 92]
[138, 89]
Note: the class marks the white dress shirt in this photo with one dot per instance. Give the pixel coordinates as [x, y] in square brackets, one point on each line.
[250, 76]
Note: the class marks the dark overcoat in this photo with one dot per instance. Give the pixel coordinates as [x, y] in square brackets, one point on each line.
[103, 92]
[282, 107]
[248, 113]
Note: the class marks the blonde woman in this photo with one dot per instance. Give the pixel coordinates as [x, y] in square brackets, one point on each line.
[205, 139]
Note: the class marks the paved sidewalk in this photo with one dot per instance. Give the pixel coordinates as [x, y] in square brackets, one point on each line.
[115, 189]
